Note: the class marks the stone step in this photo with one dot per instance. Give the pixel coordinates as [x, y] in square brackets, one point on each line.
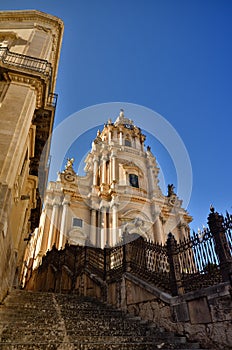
[86, 346]
[60, 321]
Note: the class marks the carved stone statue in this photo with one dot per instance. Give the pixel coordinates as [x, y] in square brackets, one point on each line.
[171, 190]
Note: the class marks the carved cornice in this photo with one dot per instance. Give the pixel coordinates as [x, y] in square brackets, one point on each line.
[75, 196]
[138, 200]
[33, 82]
[31, 16]
[42, 21]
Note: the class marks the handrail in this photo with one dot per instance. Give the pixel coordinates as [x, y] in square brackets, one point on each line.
[24, 61]
[197, 262]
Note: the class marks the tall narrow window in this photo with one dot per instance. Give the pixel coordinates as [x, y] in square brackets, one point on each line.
[134, 180]
[127, 143]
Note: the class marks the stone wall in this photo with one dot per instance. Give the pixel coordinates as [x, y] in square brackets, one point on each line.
[205, 315]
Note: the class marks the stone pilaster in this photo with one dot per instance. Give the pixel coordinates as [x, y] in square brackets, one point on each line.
[54, 228]
[93, 227]
[64, 218]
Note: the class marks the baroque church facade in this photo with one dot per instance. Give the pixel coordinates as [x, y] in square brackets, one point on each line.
[118, 199]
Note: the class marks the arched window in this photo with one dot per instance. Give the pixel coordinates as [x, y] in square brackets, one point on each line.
[134, 180]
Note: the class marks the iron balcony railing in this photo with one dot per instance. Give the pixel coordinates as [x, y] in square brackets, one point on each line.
[30, 63]
[52, 100]
[24, 61]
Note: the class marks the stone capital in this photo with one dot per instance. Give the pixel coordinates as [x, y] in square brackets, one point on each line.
[56, 201]
[66, 199]
[34, 82]
[95, 158]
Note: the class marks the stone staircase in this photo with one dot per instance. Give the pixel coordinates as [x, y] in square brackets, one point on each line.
[48, 321]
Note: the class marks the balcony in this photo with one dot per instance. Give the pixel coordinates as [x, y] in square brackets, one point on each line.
[32, 64]
[26, 62]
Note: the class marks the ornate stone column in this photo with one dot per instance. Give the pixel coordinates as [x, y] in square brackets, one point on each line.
[109, 137]
[53, 231]
[93, 227]
[150, 178]
[95, 170]
[115, 233]
[104, 159]
[98, 239]
[158, 228]
[103, 230]
[63, 227]
[45, 228]
[113, 166]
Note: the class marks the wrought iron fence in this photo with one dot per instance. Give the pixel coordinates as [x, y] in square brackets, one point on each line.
[200, 261]
[95, 260]
[228, 230]
[199, 264]
[115, 262]
[149, 261]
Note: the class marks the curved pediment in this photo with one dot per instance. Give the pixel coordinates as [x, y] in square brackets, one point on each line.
[77, 236]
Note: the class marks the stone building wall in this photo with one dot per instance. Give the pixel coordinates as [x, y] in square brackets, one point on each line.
[30, 43]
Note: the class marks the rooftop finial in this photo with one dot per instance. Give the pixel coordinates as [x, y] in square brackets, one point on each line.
[122, 120]
[121, 112]
[69, 163]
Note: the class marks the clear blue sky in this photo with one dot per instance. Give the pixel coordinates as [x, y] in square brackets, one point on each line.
[174, 57]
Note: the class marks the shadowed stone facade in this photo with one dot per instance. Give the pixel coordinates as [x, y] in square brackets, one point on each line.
[30, 43]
